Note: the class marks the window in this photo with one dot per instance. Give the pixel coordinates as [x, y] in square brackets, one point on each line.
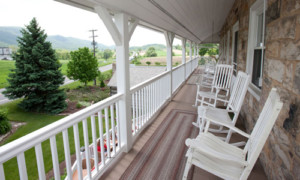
[227, 47]
[255, 53]
[235, 40]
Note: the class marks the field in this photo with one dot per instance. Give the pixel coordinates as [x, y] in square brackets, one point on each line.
[5, 67]
[162, 60]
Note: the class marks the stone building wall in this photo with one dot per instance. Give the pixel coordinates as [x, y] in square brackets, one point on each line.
[281, 154]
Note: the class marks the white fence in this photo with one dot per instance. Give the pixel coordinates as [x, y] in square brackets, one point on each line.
[98, 126]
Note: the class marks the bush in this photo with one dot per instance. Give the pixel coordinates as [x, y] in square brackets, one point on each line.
[5, 126]
[138, 63]
[148, 63]
[151, 52]
[202, 61]
[78, 106]
[157, 63]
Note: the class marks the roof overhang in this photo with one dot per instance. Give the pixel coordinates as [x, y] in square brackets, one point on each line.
[199, 21]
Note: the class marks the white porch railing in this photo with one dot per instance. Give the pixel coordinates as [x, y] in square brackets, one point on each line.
[147, 99]
[177, 77]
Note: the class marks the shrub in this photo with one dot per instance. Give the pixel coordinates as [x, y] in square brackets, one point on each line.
[5, 126]
[138, 63]
[202, 61]
[148, 63]
[78, 106]
[157, 63]
[151, 52]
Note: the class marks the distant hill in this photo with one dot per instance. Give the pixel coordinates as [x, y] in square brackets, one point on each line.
[8, 37]
[145, 47]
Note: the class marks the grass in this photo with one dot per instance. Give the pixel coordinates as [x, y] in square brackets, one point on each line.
[35, 121]
[5, 67]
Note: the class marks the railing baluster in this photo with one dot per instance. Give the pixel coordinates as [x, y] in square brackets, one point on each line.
[112, 117]
[77, 149]
[2, 175]
[67, 153]
[22, 166]
[133, 114]
[100, 122]
[143, 106]
[40, 161]
[140, 112]
[118, 125]
[94, 135]
[136, 126]
[87, 150]
[107, 132]
[54, 158]
[148, 102]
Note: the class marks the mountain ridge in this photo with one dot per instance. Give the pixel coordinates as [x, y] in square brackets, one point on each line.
[9, 34]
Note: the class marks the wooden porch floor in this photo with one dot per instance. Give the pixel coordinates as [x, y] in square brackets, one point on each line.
[183, 100]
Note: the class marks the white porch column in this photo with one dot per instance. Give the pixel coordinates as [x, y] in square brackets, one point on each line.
[197, 52]
[121, 32]
[169, 39]
[183, 61]
[194, 50]
[191, 50]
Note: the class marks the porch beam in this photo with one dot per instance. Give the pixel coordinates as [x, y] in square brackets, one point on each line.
[169, 36]
[109, 23]
[183, 44]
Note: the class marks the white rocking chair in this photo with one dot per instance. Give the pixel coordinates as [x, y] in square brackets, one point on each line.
[234, 105]
[225, 160]
[221, 81]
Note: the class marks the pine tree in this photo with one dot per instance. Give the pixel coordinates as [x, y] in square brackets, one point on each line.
[36, 77]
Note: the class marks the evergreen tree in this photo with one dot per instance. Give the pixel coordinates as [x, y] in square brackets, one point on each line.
[36, 77]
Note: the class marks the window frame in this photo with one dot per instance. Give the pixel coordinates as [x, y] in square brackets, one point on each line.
[256, 9]
[235, 28]
[227, 47]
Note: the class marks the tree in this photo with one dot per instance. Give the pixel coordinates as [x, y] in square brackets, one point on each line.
[107, 54]
[101, 78]
[36, 77]
[151, 52]
[203, 51]
[148, 63]
[83, 66]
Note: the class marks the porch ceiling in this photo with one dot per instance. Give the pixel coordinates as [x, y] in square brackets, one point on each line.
[195, 20]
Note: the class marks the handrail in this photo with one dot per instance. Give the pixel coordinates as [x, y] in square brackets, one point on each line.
[149, 81]
[178, 67]
[28, 141]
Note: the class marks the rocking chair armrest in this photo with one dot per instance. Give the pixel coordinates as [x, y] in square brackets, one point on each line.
[194, 144]
[219, 109]
[228, 125]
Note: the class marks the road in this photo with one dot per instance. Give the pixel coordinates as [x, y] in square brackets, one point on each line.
[4, 100]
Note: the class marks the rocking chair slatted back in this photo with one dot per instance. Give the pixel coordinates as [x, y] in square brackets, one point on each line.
[262, 130]
[222, 77]
[238, 93]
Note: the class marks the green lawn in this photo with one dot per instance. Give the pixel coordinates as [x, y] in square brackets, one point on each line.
[36, 121]
[5, 67]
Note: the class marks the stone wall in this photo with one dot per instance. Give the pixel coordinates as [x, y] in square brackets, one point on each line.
[281, 154]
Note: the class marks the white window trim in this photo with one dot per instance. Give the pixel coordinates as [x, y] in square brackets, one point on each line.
[235, 28]
[255, 9]
[227, 46]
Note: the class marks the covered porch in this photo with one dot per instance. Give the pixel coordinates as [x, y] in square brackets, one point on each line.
[182, 102]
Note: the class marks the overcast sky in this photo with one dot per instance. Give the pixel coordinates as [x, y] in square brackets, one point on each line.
[60, 19]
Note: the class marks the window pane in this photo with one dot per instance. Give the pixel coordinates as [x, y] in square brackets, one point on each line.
[257, 66]
[259, 30]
